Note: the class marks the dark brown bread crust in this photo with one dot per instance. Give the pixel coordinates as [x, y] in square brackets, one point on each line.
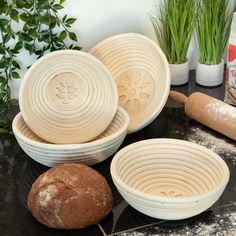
[70, 196]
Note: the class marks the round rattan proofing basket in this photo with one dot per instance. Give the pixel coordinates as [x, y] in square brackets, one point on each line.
[88, 153]
[169, 179]
[141, 72]
[68, 97]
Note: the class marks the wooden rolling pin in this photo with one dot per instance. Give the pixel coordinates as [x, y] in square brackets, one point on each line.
[208, 111]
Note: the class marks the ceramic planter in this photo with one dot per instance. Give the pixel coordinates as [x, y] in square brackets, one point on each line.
[210, 75]
[179, 73]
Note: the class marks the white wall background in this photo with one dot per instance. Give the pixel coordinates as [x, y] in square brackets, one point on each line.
[99, 19]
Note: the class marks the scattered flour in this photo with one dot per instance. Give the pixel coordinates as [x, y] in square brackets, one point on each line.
[208, 140]
[44, 197]
[221, 225]
[132, 234]
[46, 194]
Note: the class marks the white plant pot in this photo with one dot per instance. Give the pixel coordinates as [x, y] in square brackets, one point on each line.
[210, 75]
[179, 73]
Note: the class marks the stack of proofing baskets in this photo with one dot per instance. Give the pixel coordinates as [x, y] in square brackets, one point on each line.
[78, 107]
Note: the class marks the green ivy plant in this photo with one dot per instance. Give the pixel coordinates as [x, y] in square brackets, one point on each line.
[33, 25]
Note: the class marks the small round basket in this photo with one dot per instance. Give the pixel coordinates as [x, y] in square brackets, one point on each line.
[169, 179]
[141, 72]
[68, 96]
[89, 153]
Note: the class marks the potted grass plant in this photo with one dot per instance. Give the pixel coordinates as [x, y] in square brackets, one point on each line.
[173, 23]
[213, 28]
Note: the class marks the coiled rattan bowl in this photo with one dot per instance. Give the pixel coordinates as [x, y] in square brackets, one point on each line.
[169, 179]
[68, 96]
[88, 153]
[141, 72]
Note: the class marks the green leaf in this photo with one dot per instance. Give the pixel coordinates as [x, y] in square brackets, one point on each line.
[46, 20]
[20, 3]
[57, 6]
[3, 63]
[38, 18]
[16, 64]
[60, 45]
[15, 75]
[13, 51]
[58, 23]
[68, 25]
[27, 38]
[24, 17]
[30, 48]
[73, 36]
[64, 18]
[14, 15]
[62, 1]
[38, 52]
[7, 10]
[53, 22]
[3, 22]
[52, 49]
[77, 48]
[45, 38]
[62, 35]
[25, 28]
[2, 79]
[70, 21]
[33, 32]
[18, 46]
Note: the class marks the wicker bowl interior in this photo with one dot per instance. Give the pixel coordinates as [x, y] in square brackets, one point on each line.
[169, 174]
[89, 153]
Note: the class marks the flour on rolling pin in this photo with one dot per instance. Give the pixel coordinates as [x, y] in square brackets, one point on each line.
[230, 88]
[228, 111]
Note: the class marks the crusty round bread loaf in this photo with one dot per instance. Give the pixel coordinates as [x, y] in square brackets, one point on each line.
[70, 196]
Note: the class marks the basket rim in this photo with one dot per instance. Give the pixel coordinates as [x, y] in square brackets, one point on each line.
[72, 146]
[145, 196]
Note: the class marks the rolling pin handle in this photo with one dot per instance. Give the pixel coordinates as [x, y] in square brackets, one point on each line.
[178, 97]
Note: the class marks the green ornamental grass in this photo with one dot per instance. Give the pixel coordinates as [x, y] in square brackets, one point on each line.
[173, 23]
[213, 28]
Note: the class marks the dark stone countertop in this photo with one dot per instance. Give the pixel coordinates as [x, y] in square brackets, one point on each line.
[18, 172]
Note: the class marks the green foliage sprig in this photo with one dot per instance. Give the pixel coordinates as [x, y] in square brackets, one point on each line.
[33, 25]
[213, 28]
[173, 24]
